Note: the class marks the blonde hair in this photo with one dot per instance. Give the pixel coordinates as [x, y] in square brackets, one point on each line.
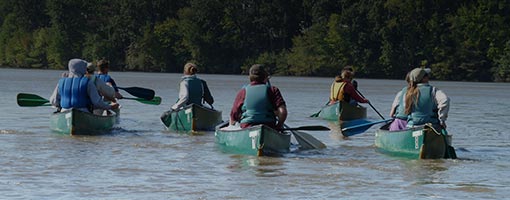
[190, 69]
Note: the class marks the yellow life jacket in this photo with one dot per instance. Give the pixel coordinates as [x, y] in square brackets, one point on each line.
[337, 91]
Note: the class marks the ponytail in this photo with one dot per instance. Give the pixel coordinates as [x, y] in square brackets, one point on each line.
[412, 96]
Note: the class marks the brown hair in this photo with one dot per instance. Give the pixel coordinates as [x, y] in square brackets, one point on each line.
[102, 64]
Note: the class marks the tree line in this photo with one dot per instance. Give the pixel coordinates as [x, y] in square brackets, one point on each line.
[460, 40]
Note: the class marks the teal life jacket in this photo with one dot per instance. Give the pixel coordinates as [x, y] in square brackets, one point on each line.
[257, 108]
[426, 109]
[73, 92]
[400, 112]
[195, 90]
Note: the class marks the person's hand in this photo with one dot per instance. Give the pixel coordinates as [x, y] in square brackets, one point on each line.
[114, 105]
[443, 124]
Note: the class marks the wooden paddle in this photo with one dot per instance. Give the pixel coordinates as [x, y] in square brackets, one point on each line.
[357, 129]
[305, 140]
[307, 128]
[154, 101]
[31, 100]
[145, 93]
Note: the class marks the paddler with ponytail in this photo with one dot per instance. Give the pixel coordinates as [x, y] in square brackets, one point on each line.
[425, 103]
[258, 102]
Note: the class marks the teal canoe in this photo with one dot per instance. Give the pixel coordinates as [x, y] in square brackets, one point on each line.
[343, 111]
[257, 140]
[417, 143]
[192, 119]
[76, 122]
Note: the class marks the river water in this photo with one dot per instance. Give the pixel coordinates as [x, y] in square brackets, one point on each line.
[140, 160]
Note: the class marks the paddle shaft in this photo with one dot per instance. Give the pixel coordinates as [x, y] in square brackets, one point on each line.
[370, 104]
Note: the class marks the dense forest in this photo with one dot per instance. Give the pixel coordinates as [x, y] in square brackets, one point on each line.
[465, 40]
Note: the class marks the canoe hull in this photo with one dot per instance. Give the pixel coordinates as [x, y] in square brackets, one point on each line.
[416, 143]
[192, 119]
[343, 111]
[76, 122]
[258, 140]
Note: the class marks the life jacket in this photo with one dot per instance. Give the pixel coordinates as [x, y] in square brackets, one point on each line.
[73, 92]
[108, 79]
[426, 109]
[337, 92]
[195, 90]
[400, 112]
[257, 107]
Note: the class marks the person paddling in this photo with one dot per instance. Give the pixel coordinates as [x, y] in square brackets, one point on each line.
[342, 89]
[425, 103]
[103, 66]
[77, 91]
[258, 102]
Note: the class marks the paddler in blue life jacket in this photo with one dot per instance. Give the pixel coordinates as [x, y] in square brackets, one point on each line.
[103, 67]
[105, 90]
[258, 102]
[192, 89]
[425, 103]
[77, 91]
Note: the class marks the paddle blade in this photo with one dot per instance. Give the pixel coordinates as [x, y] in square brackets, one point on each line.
[307, 141]
[361, 128]
[316, 114]
[144, 93]
[308, 128]
[31, 100]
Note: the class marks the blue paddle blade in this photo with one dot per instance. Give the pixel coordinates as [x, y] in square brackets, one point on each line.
[360, 128]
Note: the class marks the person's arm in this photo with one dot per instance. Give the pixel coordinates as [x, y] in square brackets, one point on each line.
[394, 105]
[280, 105]
[55, 98]
[207, 93]
[281, 113]
[349, 89]
[108, 92]
[95, 99]
[235, 112]
[443, 106]
[183, 95]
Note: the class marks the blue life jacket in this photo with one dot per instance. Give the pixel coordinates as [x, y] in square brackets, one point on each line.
[257, 107]
[195, 90]
[108, 79]
[400, 112]
[426, 109]
[73, 92]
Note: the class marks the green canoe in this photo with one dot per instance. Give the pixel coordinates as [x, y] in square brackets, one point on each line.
[420, 142]
[192, 119]
[343, 111]
[76, 122]
[257, 140]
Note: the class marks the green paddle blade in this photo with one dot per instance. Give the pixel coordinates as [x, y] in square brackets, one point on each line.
[154, 101]
[31, 100]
